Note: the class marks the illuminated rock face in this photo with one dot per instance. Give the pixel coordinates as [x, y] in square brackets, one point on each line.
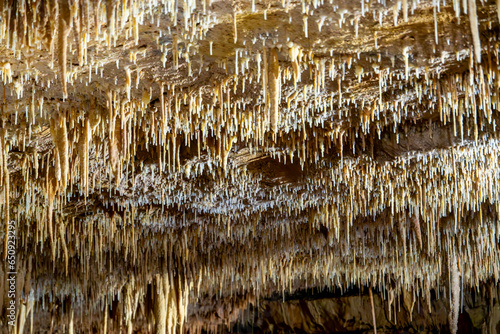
[328, 312]
[170, 165]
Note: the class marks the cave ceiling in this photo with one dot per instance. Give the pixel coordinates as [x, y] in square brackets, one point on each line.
[167, 163]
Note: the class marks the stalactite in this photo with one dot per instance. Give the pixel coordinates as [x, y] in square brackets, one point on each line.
[160, 307]
[436, 33]
[274, 89]
[22, 318]
[115, 137]
[51, 186]
[294, 53]
[498, 10]
[83, 150]
[474, 27]
[62, 232]
[110, 21]
[59, 132]
[235, 28]
[416, 227]
[105, 324]
[64, 29]
[265, 78]
[129, 306]
[71, 329]
[373, 309]
[454, 294]
[405, 10]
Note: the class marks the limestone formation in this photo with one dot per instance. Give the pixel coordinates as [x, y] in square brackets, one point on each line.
[212, 166]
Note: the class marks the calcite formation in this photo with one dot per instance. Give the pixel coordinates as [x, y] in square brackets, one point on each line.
[170, 165]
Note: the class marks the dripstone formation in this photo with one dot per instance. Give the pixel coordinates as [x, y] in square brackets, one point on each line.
[183, 166]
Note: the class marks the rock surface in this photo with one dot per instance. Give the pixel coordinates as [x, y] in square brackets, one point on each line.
[329, 313]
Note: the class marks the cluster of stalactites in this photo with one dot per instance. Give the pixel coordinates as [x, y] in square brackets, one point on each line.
[462, 260]
[217, 119]
[83, 16]
[94, 146]
[464, 177]
[170, 304]
[472, 169]
[59, 26]
[419, 222]
[468, 101]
